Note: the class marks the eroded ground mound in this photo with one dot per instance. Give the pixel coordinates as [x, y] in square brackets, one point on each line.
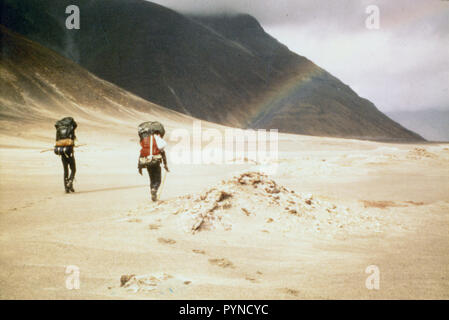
[253, 200]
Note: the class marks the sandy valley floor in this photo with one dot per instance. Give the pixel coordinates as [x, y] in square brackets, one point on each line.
[333, 208]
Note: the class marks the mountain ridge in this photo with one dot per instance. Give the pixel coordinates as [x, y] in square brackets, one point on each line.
[39, 86]
[224, 69]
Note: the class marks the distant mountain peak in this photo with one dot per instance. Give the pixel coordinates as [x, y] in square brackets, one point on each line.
[237, 22]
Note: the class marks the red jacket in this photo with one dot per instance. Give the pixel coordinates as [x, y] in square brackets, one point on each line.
[145, 143]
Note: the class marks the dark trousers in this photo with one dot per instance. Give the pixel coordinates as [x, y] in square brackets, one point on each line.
[154, 172]
[66, 163]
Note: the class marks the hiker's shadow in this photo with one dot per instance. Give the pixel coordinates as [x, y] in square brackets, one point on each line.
[112, 189]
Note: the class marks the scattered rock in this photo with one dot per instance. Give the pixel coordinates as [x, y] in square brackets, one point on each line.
[272, 190]
[249, 278]
[166, 241]
[291, 292]
[420, 153]
[125, 278]
[222, 263]
[143, 283]
[416, 203]
[381, 204]
[222, 195]
[227, 206]
[154, 226]
[178, 211]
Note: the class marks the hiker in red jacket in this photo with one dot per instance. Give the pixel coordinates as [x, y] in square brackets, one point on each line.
[151, 156]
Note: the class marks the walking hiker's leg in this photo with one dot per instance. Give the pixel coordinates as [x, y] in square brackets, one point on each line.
[154, 171]
[72, 164]
[65, 165]
[71, 161]
[156, 176]
[150, 173]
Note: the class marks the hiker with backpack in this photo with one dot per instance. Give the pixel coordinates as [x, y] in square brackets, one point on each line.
[152, 153]
[65, 141]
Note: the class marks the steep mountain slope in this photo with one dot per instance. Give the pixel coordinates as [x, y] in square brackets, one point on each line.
[37, 86]
[224, 69]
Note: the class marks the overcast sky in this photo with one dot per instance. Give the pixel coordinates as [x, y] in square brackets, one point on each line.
[403, 65]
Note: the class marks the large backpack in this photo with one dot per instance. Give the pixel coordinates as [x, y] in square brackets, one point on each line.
[65, 129]
[148, 128]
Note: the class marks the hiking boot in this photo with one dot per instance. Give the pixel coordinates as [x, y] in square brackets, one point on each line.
[70, 186]
[153, 194]
[66, 186]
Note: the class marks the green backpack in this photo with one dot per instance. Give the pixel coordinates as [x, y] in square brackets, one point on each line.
[148, 128]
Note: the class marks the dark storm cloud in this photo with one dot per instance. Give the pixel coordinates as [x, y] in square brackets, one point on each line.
[343, 14]
[270, 12]
[402, 66]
